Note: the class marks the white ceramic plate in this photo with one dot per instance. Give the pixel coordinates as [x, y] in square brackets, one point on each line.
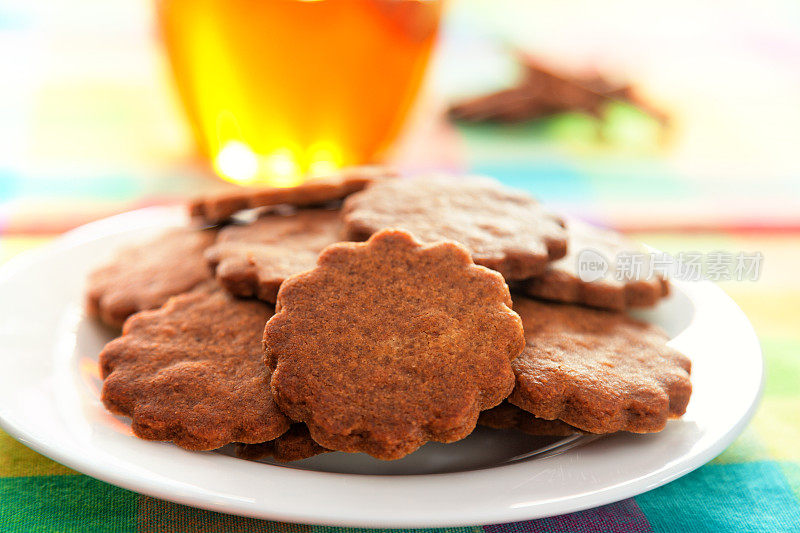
[49, 401]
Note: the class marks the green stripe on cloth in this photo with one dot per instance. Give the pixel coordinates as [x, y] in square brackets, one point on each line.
[792, 473]
[733, 497]
[17, 460]
[747, 448]
[65, 504]
[783, 366]
[775, 430]
[779, 420]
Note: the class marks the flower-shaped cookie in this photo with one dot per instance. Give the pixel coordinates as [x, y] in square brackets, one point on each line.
[146, 275]
[294, 445]
[218, 208]
[504, 229]
[391, 343]
[192, 372]
[607, 285]
[600, 371]
[254, 259]
[508, 416]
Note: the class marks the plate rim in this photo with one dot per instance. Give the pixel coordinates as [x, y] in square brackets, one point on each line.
[84, 464]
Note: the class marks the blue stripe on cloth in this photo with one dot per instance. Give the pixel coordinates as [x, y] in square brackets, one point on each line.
[118, 186]
[732, 497]
[8, 185]
[549, 181]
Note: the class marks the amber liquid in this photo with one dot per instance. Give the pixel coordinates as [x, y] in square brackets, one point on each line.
[276, 89]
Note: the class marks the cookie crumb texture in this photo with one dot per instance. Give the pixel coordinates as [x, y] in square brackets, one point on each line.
[389, 344]
[192, 372]
[600, 371]
[294, 445]
[504, 229]
[146, 275]
[508, 416]
[254, 259]
[220, 207]
[562, 281]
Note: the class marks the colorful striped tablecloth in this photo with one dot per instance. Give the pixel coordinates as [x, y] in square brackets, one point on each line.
[727, 181]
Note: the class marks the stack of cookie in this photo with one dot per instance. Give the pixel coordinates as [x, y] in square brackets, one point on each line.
[370, 313]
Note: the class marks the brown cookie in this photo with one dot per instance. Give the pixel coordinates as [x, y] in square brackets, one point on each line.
[600, 371]
[503, 229]
[144, 276]
[542, 91]
[253, 260]
[294, 445]
[389, 344]
[617, 289]
[220, 207]
[507, 416]
[192, 372]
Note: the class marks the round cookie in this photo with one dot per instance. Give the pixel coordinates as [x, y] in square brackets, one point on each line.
[389, 344]
[146, 275]
[561, 282]
[217, 208]
[600, 371]
[192, 372]
[505, 230]
[254, 259]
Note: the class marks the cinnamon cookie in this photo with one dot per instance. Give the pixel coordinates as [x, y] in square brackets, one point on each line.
[606, 285]
[389, 344]
[253, 260]
[144, 276]
[507, 416]
[600, 371]
[294, 445]
[316, 191]
[192, 372]
[503, 229]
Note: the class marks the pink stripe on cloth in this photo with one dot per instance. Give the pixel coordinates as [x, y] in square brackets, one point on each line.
[3, 221]
[45, 218]
[621, 517]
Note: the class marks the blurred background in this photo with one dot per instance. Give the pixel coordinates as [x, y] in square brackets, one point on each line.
[704, 157]
[89, 112]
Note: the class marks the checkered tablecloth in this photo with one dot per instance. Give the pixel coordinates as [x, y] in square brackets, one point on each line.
[88, 71]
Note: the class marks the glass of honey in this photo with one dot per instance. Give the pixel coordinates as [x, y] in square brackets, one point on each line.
[276, 90]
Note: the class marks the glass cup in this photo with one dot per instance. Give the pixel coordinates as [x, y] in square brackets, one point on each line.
[278, 89]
